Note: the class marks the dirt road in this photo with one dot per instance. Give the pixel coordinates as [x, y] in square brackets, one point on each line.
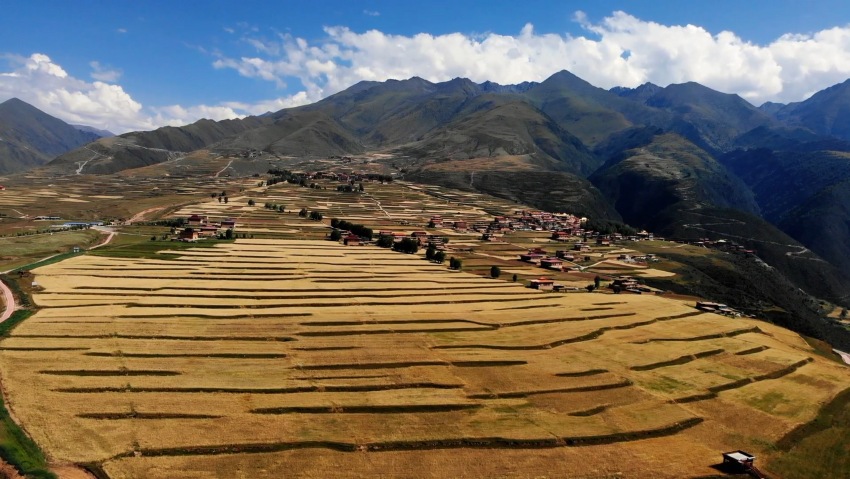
[8, 301]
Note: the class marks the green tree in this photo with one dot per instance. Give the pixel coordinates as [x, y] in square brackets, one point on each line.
[495, 271]
[597, 281]
[251, 203]
[407, 245]
[440, 257]
[455, 263]
[335, 235]
[589, 288]
[384, 241]
[430, 252]
[228, 234]
[514, 278]
[303, 213]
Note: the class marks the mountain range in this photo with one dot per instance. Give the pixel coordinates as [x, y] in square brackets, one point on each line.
[29, 137]
[684, 160]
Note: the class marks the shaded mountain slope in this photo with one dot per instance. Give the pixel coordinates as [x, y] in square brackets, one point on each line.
[138, 149]
[827, 112]
[29, 137]
[667, 171]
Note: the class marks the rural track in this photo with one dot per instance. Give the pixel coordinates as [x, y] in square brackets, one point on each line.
[8, 301]
[222, 170]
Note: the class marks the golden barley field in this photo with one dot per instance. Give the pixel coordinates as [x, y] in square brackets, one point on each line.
[291, 358]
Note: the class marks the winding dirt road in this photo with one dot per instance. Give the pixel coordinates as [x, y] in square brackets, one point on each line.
[8, 301]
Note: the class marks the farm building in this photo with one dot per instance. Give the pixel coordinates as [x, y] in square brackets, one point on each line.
[351, 240]
[229, 223]
[188, 234]
[543, 284]
[551, 263]
[2, 187]
[531, 257]
[196, 220]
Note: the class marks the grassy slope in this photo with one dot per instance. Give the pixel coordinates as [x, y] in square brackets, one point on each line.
[818, 448]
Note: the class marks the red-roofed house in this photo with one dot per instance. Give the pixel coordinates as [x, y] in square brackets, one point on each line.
[543, 284]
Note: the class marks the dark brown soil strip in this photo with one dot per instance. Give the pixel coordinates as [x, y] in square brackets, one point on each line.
[393, 321]
[144, 415]
[713, 390]
[581, 389]
[357, 376]
[327, 348]
[677, 361]
[453, 443]
[159, 338]
[579, 374]
[291, 390]
[101, 372]
[190, 355]
[358, 332]
[396, 365]
[589, 412]
[565, 320]
[586, 337]
[317, 305]
[536, 306]
[484, 364]
[212, 316]
[609, 303]
[282, 297]
[377, 409]
[44, 349]
[243, 290]
[594, 309]
[729, 334]
[754, 350]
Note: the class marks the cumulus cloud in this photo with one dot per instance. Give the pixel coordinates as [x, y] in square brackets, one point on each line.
[40, 81]
[619, 50]
[104, 73]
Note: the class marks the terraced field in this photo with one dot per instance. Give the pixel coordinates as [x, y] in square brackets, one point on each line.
[274, 358]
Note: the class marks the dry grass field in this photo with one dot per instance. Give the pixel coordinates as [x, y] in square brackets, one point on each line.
[287, 357]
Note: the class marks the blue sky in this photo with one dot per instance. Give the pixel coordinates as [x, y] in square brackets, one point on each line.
[137, 65]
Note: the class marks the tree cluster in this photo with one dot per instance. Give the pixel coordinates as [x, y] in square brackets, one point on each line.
[407, 245]
[356, 229]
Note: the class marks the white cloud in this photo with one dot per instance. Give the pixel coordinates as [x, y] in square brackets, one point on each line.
[372, 13]
[121, 30]
[619, 50]
[47, 86]
[104, 73]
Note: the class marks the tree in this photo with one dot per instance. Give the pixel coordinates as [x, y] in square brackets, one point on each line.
[303, 213]
[843, 314]
[495, 272]
[334, 222]
[384, 241]
[596, 281]
[219, 199]
[455, 263]
[440, 257]
[430, 252]
[228, 234]
[335, 235]
[251, 203]
[589, 288]
[280, 208]
[360, 187]
[617, 288]
[515, 277]
[407, 245]
[153, 238]
[225, 200]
